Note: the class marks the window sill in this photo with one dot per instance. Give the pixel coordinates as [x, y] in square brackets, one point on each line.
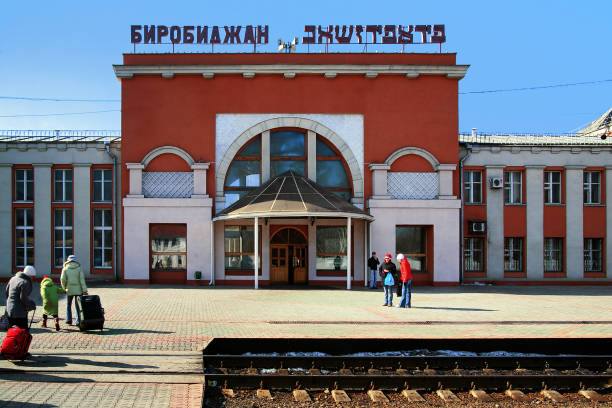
[515, 204]
[476, 204]
[594, 205]
[23, 202]
[554, 204]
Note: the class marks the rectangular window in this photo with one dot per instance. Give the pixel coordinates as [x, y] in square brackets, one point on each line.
[552, 187]
[592, 183]
[102, 238]
[168, 247]
[62, 185]
[513, 187]
[472, 187]
[62, 236]
[553, 254]
[412, 242]
[102, 185]
[24, 237]
[473, 255]
[240, 247]
[24, 185]
[513, 254]
[593, 260]
[331, 248]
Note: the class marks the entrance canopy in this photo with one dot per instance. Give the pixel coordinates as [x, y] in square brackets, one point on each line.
[291, 195]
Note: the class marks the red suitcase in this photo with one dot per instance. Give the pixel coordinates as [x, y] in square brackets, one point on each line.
[16, 343]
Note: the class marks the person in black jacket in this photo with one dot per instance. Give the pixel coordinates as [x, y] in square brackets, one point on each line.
[388, 274]
[373, 263]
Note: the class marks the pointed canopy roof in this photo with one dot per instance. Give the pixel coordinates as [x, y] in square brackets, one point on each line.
[291, 195]
[599, 125]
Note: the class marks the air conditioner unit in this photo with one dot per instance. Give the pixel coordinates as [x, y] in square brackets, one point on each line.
[496, 182]
[477, 227]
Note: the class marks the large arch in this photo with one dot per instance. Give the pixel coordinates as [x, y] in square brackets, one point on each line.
[413, 150]
[167, 149]
[298, 122]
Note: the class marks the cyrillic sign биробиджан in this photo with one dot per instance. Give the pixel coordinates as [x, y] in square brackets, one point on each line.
[340, 34]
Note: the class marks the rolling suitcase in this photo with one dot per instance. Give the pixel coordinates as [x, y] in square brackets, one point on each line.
[17, 342]
[91, 313]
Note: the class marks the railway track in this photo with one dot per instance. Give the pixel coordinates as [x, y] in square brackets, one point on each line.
[414, 365]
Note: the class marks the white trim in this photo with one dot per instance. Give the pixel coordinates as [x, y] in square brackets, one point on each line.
[208, 71]
[167, 149]
[280, 214]
[404, 151]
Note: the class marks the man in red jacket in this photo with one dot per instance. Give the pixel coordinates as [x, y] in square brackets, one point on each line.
[405, 280]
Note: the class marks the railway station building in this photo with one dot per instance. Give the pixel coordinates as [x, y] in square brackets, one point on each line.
[262, 169]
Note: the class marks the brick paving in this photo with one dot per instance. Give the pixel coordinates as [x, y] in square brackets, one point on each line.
[167, 326]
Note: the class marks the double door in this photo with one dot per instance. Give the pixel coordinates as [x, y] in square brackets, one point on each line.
[288, 264]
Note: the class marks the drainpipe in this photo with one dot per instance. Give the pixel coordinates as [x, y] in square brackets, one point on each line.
[114, 204]
[461, 244]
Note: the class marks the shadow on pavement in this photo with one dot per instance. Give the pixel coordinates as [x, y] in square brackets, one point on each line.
[461, 309]
[42, 361]
[39, 377]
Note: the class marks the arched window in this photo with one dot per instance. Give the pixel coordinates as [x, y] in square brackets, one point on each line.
[244, 174]
[331, 170]
[288, 151]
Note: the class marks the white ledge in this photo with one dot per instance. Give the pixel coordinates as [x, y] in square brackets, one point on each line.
[409, 71]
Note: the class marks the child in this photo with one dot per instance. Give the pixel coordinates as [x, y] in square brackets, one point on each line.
[49, 292]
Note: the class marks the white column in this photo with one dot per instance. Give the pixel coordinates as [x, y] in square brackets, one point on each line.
[574, 223]
[82, 220]
[495, 225]
[366, 254]
[265, 156]
[312, 251]
[608, 238]
[379, 180]
[312, 156]
[199, 180]
[6, 220]
[135, 170]
[265, 251]
[445, 176]
[43, 230]
[256, 230]
[348, 253]
[534, 245]
[212, 253]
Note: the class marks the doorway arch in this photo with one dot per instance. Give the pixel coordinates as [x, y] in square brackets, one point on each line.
[288, 256]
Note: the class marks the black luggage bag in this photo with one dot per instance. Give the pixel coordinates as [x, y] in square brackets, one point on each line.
[91, 314]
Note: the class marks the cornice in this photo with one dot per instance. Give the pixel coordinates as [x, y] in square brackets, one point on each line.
[290, 70]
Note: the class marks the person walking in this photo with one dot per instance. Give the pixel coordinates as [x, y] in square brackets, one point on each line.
[73, 282]
[373, 263]
[48, 293]
[388, 275]
[18, 302]
[405, 280]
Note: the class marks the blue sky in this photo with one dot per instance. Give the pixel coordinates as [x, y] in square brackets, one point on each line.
[66, 50]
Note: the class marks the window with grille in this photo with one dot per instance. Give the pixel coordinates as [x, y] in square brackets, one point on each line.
[553, 255]
[62, 236]
[62, 191]
[24, 185]
[552, 187]
[24, 237]
[513, 188]
[102, 238]
[513, 254]
[472, 187]
[473, 255]
[102, 185]
[593, 259]
[591, 191]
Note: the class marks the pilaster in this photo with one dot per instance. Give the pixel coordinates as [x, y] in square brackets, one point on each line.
[135, 170]
[42, 216]
[534, 245]
[6, 218]
[81, 239]
[445, 174]
[199, 180]
[495, 225]
[574, 222]
[379, 180]
[608, 239]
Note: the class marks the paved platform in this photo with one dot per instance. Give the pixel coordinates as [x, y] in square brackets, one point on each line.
[150, 348]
